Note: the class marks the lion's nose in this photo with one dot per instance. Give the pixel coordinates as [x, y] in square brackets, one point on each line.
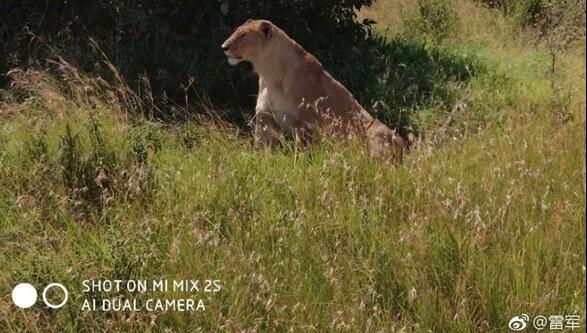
[225, 47]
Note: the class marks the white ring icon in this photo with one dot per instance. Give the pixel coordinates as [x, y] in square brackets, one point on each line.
[60, 286]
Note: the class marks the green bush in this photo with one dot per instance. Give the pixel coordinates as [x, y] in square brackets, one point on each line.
[545, 15]
[434, 21]
[176, 43]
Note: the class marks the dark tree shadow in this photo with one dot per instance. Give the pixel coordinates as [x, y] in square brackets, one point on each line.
[176, 46]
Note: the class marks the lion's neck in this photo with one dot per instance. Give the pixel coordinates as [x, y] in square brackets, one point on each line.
[283, 56]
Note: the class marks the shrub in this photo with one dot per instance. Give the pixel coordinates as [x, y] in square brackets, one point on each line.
[545, 15]
[173, 42]
[435, 20]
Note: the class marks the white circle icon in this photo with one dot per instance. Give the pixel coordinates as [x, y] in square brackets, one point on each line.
[49, 304]
[24, 295]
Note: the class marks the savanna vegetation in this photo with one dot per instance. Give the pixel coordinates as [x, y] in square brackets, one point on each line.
[125, 154]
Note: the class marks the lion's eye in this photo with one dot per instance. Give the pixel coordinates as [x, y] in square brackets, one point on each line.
[241, 36]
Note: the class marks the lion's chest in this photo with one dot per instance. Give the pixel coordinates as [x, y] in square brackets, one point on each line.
[283, 107]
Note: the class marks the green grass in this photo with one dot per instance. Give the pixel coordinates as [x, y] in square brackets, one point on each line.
[484, 220]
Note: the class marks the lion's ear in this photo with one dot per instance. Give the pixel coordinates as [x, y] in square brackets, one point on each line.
[249, 21]
[267, 29]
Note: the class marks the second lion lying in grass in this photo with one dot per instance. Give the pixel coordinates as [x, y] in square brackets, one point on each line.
[298, 97]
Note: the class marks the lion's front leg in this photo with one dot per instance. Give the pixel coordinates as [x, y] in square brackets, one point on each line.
[267, 131]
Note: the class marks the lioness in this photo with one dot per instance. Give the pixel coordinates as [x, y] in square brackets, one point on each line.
[297, 96]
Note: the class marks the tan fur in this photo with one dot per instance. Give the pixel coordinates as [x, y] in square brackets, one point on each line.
[297, 96]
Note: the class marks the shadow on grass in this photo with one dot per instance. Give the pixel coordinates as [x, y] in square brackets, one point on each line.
[414, 75]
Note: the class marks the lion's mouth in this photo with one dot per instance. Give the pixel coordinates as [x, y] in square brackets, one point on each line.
[231, 56]
[232, 59]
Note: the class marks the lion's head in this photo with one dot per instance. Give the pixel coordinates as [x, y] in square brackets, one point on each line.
[247, 42]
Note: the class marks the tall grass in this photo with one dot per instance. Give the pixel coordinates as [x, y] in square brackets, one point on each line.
[484, 220]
